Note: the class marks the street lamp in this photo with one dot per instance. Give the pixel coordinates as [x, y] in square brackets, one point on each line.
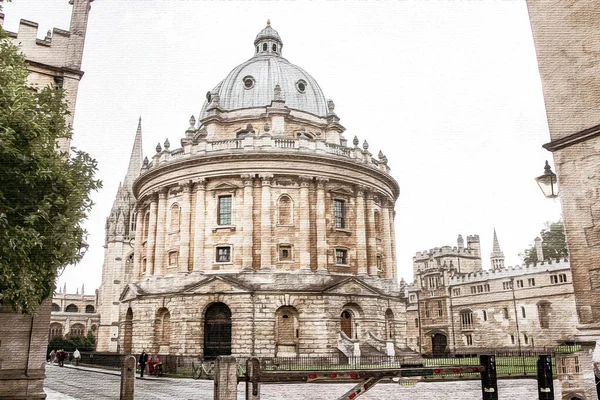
[547, 182]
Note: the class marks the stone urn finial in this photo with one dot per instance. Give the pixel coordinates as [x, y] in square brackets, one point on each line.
[365, 145]
[277, 93]
[355, 141]
[158, 148]
[167, 144]
[192, 121]
[146, 161]
[330, 106]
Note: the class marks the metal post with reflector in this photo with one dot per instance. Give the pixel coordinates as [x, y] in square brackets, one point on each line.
[489, 381]
[544, 377]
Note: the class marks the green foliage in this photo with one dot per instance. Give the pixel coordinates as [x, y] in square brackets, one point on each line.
[70, 343]
[44, 195]
[554, 244]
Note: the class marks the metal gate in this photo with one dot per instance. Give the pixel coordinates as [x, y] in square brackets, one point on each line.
[217, 331]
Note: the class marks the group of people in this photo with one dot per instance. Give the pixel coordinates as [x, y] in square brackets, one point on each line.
[60, 356]
[152, 361]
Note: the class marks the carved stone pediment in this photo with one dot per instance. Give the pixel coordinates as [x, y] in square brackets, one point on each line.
[216, 284]
[224, 188]
[354, 287]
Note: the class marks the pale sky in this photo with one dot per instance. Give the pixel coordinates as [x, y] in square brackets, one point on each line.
[449, 90]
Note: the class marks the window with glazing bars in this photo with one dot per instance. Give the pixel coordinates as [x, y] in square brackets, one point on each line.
[224, 254]
[224, 210]
[338, 213]
[340, 257]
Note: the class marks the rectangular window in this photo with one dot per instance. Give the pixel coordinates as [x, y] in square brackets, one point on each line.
[224, 254]
[379, 264]
[341, 257]
[484, 315]
[520, 283]
[469, 339]
[486, 287]
[563, 277]
[473, 289]
[413, 298]
[505, 312]
[285, 253]
[466, 320]
[440, 308]
[531, 281]
[553, 278]
[507, 285]
[338, 214]
[224, 210]
[456, 292]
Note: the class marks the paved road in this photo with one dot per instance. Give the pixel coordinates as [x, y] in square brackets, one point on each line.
[69, 383]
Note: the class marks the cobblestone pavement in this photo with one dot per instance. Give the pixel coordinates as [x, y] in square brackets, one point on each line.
[69, 383]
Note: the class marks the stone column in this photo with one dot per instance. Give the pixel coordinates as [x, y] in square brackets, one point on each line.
[371, 236]
[321, 226]
[304, 222]
[199, 224]
[387, 239]
[151, 242]
[161, 228]
[393, 235]
[139, 239]
[184, 229]
[247, 224]
[266, 236]
[361, 232]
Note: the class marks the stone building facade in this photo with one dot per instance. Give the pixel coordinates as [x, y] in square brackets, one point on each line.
[54, 60]
[73, 314]
[458, 310]
[263, 234]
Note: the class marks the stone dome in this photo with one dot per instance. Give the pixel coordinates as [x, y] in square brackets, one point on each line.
[265, 77]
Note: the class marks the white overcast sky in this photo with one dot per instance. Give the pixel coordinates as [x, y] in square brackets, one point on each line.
[449, 90]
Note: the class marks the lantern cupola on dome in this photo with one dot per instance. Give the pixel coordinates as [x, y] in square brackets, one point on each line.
[268, 41]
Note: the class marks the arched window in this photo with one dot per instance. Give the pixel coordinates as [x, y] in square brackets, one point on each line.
[264, 47]
[523, 312]
[175, 214]
[56, 329]
[77, 330]
[512, 339]
[55, 307]
[466, 319]
[389, 324]
[525, 338]
[284, 210]
[274, 47]
[72, 308]
[287, 326]
[162, 327]
[544, 309]
[133, 223]
[90, 309]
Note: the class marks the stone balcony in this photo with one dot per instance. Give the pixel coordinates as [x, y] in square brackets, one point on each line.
[265, 143]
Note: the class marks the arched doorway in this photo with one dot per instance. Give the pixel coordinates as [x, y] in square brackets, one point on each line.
[287, 331]
[389, 324]
[128, 332]
[217, 331]
[346, 323]
[439, 342]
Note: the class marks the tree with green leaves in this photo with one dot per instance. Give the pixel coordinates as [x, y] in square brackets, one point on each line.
[554, 244]
[44, 195]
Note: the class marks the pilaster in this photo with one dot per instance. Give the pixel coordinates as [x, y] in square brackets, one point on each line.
[361, 233]
[184, 229]
[161, 226]
[266, 223]
[139, 239]
[371, 236]
[304, 222]
[248, 225]
[199, 224]
[151, 242]
[321, 226]
[387, 240]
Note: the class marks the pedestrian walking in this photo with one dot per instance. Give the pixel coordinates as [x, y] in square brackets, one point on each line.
[142, 361]
[61, 355]
[76, 356]
[52, 356]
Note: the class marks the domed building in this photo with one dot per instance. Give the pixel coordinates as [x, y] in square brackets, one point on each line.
[263, 234]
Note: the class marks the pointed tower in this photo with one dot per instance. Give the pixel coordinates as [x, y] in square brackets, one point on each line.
[497, 256]
[118, 250]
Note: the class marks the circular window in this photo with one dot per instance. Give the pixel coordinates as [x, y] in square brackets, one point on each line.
[248, 82]
[301, 86]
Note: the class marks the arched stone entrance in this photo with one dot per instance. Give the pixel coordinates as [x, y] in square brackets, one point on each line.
[439, 343]
[217, 331]
[128, 332]
[346, 323]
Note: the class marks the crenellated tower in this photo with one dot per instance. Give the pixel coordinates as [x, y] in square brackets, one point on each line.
[120, 229]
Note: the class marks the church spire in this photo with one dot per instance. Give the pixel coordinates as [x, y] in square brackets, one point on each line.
[136, 159]
[497, 256]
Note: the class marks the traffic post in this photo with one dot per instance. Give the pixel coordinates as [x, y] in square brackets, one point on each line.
[489, 380]
[544, 377]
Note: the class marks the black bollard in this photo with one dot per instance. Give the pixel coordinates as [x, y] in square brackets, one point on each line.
[489, 381]
[544, 378]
